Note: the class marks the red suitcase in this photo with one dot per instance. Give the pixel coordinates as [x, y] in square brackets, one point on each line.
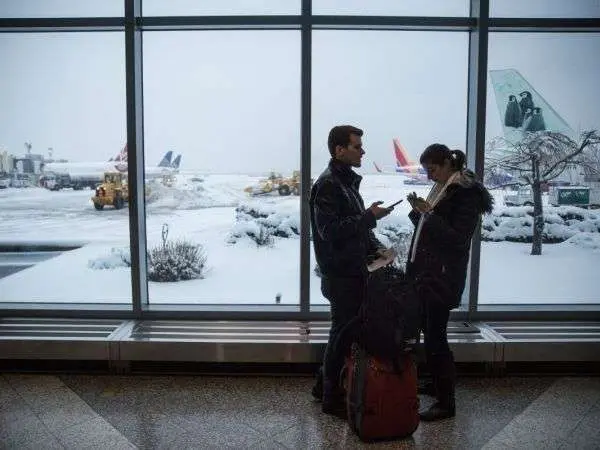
[381, 401]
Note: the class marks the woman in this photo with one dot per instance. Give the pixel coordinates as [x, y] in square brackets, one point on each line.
[438, 259]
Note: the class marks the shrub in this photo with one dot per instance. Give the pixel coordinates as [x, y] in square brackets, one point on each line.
[176, 261]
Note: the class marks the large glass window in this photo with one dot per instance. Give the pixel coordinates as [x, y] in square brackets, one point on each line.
[222, 137]
[392, 7]
[545, 8]
[61, 8]
[406, 90]
[222, 154]
[542, 82]
[220, 7]
[62, 130]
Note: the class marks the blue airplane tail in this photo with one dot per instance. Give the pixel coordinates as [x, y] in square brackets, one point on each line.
[176, 162]
[166, 161]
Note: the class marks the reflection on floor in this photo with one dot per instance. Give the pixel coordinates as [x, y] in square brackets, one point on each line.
[198, 412]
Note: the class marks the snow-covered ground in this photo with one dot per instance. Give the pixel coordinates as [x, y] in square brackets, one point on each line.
[239, 271]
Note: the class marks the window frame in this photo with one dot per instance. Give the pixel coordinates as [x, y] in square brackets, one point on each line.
[133, 23]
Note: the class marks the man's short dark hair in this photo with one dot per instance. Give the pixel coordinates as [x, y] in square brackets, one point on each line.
[340, 135]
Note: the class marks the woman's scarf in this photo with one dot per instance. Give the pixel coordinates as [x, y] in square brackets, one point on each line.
[436, 193]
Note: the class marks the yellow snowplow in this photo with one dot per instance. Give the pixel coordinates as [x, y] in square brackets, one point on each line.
[113, 191]
[277, 183]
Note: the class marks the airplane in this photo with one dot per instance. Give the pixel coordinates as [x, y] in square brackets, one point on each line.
[418, 175]
[403, 162]
[90, 173]
[415, 172]
[523, 110]
[121, 156]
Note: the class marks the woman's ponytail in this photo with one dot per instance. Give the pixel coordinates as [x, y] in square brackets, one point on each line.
[458, 159]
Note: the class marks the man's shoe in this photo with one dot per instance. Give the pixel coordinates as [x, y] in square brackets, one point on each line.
[438, 411]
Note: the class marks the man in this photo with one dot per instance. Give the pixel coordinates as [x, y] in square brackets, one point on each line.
[343, 240]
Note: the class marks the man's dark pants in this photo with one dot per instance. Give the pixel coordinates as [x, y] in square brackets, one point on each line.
[345, 295]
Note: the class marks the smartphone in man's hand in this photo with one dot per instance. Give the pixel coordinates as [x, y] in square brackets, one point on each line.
[394, 204]
[378, 211]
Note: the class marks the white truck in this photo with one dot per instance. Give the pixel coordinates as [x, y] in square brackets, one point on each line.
[521, 197]
[4, 181]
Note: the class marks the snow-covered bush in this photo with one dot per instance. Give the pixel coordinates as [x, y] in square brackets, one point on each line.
[396, 234]
[400, 242]
[263, 236]
[119, 257]
[515, 224]
[393, 233]
[257, 232]
[176, 261]
[262, 223]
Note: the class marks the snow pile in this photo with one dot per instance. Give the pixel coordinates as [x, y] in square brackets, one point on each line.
[261, 222]
[186, 197]
[589, 241]
[515, 224]
[195, 192]
[119, 257]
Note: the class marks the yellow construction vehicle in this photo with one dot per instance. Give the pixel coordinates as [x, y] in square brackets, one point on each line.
[113, 191]
[276, 183]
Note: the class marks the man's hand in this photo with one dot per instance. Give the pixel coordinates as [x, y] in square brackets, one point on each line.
[386, 252]
[379, 212]
[384, 257]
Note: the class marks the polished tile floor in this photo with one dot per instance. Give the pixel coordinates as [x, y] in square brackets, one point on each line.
[198, 412]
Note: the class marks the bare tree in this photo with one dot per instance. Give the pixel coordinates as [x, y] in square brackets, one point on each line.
[591, 163]
[535, 160]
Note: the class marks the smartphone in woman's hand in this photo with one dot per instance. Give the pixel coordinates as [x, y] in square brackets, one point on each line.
[421, 205]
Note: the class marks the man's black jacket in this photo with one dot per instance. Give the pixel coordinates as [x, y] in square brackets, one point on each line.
[341, 228]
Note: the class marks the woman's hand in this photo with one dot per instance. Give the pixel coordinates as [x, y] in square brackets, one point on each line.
[422, 206]
[418, 204]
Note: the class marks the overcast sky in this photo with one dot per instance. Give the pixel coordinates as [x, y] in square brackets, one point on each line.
[230, 100]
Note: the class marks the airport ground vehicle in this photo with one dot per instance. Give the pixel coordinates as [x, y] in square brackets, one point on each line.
[277, 183]
[113, 191]
[4, 180]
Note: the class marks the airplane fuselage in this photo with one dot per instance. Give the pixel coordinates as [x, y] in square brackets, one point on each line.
[413, 169]
[99, 168]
